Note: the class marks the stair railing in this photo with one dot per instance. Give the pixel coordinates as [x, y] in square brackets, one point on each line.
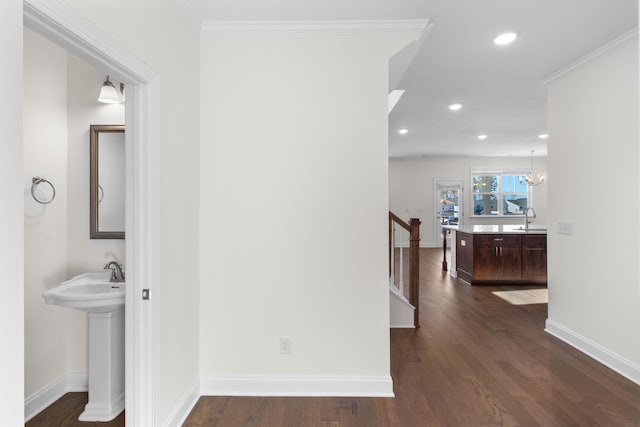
[413, 228]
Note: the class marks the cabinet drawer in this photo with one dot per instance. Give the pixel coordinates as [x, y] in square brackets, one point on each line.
[506, 241]
[535, 241]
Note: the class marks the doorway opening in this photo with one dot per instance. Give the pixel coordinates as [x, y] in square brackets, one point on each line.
[63, 26]
[448, 199]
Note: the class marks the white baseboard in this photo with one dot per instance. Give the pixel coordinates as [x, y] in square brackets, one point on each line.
[71, 382]
[613, 361]
[402, 326]
[182, 410]
[297, 386]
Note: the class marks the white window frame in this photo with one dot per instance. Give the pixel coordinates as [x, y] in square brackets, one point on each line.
[499, 193]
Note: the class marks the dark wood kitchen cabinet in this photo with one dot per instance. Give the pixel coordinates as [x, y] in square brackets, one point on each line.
[534, 258]
[497, 257]
[501, 258]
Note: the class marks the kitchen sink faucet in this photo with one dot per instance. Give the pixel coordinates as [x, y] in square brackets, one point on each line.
[526, 217]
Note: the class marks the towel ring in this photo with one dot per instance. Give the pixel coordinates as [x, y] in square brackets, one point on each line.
[37, 180]
[100, 193]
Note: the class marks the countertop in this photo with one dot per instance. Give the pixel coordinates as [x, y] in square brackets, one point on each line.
[498, 229]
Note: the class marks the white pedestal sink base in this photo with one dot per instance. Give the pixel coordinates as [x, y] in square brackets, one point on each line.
[106, 366]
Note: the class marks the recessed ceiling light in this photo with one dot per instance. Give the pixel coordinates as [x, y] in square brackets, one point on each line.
[455, 107]
[543, 136]
[482, 137]
[403, 131]
[505, 38]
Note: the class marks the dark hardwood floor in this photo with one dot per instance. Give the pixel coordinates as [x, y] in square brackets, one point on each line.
[65, 412]
[477, 361]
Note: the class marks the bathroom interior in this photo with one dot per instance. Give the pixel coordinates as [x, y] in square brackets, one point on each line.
[61, 240]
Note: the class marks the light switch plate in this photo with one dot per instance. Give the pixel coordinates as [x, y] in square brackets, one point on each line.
[565, 227]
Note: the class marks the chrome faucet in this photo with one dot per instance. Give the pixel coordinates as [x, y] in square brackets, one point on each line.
[117, 275]
[526, 217]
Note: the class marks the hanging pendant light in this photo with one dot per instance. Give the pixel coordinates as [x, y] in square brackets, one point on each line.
[109, 93]
[529, 177]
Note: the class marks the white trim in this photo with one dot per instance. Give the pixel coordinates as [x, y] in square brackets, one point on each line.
[40, 400]
[602, 50]
[402, 326]
[294, 386]
[63, 25]
[617, 363]
[401, 311]
[412, 27]
[142, 249]
[56, 21]
[185, 405]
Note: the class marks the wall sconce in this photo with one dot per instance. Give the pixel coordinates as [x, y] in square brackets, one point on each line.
[109, 94]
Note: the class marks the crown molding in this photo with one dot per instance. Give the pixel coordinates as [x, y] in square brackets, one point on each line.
[412, 27]
[599, 52]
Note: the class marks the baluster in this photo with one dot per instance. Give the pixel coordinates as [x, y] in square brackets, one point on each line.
[401, 278]
[392, 256]
[414, 262]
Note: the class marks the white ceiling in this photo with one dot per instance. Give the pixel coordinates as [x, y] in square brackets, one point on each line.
[500, 87]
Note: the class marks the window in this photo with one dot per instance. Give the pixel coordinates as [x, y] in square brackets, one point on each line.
[499, 193]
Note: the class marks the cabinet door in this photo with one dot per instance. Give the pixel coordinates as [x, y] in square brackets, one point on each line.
[510, 254]
[511, 263]
[534, 253]
[486, 260]
[497, 257]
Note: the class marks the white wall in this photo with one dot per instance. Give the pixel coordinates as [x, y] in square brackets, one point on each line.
[84, 81]
[11, 217]
[594, 298]
[294, 156]
[411, 189]
[84, 254]
[45, 226]
[156, 34]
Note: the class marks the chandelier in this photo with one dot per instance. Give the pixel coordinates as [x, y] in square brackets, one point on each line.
[529, 178]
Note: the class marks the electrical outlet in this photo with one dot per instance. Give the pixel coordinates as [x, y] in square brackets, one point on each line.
[285, 345]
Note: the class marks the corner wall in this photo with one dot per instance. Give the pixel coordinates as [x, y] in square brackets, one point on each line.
[47, 328]
[155, 33]
[294, 207]
[11, 219]
[594, 283]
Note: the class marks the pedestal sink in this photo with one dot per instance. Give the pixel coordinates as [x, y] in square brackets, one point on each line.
[104, 303]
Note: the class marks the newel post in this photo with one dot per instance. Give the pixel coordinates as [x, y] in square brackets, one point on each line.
[414, 271]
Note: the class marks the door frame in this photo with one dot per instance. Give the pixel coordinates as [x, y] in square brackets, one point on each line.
[62, 25]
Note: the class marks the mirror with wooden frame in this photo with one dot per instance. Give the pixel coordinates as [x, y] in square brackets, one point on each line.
[107, 182]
